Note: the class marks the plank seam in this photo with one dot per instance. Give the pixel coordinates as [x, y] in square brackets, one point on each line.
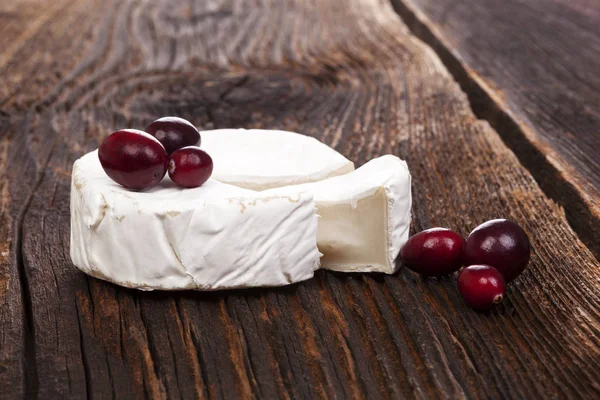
[583, 220]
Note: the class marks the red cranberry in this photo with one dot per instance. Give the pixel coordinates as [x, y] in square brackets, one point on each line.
[133, 159]
[190, 167]
[501, 244]
[481, 286]
[174, 133]
[433, 252]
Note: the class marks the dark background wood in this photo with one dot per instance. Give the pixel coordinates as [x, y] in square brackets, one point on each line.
[530, 68]
[350, 74]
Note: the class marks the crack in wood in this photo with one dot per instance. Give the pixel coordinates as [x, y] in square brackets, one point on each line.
[31, 375]
[88, 380]
[31, 378]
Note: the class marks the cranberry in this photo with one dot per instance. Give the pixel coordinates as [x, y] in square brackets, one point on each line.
[481, 286]
[174, 133]
[501, 244]
[190, 167]
[433, 252]
[133, 159]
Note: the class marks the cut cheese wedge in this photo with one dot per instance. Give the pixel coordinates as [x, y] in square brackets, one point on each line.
[213, 237]
[263, 159]
[364, 216]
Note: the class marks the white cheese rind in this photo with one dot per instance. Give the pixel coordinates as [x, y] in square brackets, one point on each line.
[214, 237]
[364, 216]
[260, 159]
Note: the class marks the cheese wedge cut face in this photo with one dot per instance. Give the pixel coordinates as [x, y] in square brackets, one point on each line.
[364, 216]
[213, 237]
[263, 159]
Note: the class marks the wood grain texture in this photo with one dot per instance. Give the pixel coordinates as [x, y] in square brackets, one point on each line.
[349, 74]
[530, 68]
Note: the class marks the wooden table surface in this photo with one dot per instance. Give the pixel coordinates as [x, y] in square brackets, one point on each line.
[494, 105]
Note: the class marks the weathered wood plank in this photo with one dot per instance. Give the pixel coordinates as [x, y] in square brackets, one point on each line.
[352, 76]
[13, 322]
[531, 69]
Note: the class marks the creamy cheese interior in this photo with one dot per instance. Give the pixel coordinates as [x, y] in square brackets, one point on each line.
[364, 216]
[355, 238]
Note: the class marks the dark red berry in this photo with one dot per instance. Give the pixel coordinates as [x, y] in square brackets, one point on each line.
[190, 167]
[501, 244]
[133, 159]
[433, 252]
[174, 133]
[481, 286]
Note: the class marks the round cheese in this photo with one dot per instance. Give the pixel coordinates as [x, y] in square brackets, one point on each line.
[213, 237]
[263, 159]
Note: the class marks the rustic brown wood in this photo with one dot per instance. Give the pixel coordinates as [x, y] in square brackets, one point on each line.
[349, 74]
[13, 321]
[530, 68]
